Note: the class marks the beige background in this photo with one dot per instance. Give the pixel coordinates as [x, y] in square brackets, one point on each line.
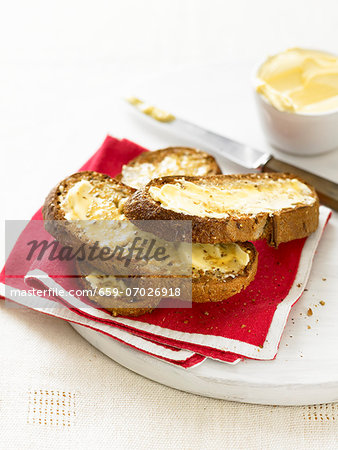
[63, 68]
[59, 392]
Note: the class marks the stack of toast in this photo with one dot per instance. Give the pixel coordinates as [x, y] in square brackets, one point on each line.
[226, 213]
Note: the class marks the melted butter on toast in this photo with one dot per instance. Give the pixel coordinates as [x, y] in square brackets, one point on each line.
[86, 201]
[237, 196]
[140, 174]
[97, 208]
[106, 283]
[227, 258]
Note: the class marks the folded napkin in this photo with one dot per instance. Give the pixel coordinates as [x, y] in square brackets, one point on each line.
[108, 159]
[173, 355]
[249, 325]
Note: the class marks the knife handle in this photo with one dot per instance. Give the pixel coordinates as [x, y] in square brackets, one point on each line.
[327, 190]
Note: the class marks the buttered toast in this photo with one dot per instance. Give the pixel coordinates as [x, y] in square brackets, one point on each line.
[231, 208]
[168, 161]
[75, 213]
[218, 272]
[86, 194]
[109, 292]
[226, 270]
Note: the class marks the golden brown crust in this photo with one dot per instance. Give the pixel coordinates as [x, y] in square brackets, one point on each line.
[277, 227]
[155, 157]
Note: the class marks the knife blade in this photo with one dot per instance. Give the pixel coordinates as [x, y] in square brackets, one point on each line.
[237, 152]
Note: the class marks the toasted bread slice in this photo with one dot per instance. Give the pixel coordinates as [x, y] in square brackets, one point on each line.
[231, 208]
[79, 201]
[109, 193]
[219, 271]
[223, 281]
[107, 291]
[76, 210]
[168, 161]
[86, 211]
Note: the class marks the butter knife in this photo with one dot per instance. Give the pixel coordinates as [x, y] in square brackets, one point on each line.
[237, 152]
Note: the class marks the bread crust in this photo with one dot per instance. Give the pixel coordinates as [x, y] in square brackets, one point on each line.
[277, 227]
[155, 157]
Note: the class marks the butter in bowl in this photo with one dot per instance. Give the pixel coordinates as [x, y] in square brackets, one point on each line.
[297, 98]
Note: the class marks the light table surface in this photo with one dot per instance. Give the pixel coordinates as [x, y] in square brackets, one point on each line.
[63, 72]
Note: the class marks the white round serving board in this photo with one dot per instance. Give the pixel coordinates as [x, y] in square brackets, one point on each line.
[305, 371]
[306, 368]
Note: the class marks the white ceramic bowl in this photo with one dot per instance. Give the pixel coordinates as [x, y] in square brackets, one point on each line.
[300, 134]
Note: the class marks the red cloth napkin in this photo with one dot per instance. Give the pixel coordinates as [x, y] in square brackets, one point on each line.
[108, 159]
[227, 330]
